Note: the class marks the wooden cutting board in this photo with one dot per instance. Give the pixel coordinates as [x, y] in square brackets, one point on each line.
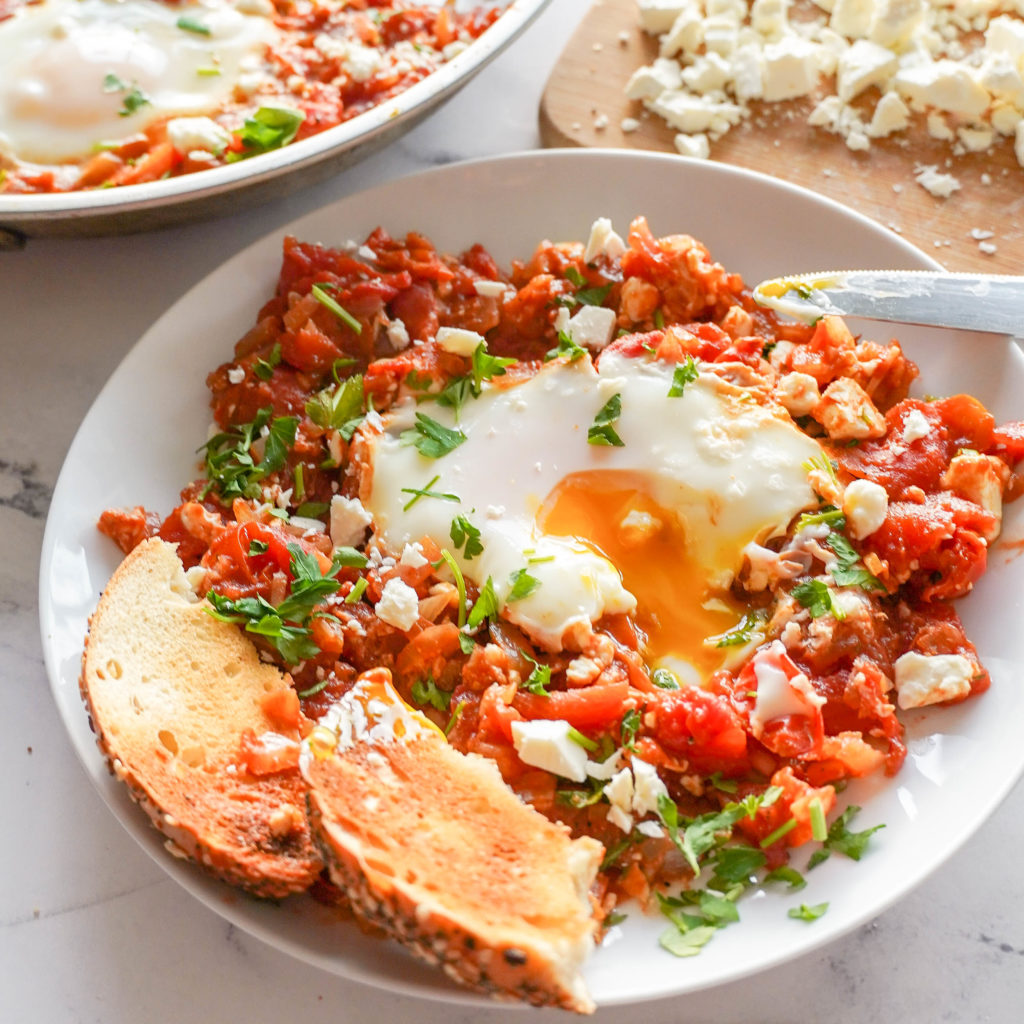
[587, 90]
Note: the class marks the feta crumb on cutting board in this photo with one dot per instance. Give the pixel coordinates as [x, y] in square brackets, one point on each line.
[959, 64]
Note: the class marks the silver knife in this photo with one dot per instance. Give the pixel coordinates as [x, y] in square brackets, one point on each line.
[975, 302]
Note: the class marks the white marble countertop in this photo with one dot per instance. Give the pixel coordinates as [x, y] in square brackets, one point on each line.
[92, 930]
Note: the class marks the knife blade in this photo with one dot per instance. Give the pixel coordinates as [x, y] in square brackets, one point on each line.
[976, 302]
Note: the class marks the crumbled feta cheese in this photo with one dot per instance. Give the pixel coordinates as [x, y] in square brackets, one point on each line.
[865, 505]
[546, 743]
[458, 340]
[397, 334]
[412, 556]
[591, 326]
[629, 124]
[650, 81]
[891, 115]
[236, 374]
[696, 146]
[942, 186]
[398, 605]
[717, 56]
[490, 289]
[864, 64]
[603, 241]
[188, 133]
[798, 393]
[916, 426]
[931, 678]
[349, 521]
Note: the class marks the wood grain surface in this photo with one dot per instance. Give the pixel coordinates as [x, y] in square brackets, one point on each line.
[587, 90]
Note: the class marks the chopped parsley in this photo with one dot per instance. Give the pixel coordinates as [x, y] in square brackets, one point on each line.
[685, 373]
[567, 346]
[319, 292]
[426, 492]
[463, 532]
[232, 470]
[808, 913]
[134, 98]
[538, 680]
[460, 585]
[339, 407]
[829, 516]
[817, 598]
[841, 840]
[187, 24]
[584, 296]
[285, 626]
[264, 368]
[664, 679]
[628, 728]
[459, 390]
[787, 875]
[268, 129]
[602, 432]
[748, 629]
[486, 605]
[426, 692]
[846, 572]
[522, 585]
[486, 366]
[432, 439]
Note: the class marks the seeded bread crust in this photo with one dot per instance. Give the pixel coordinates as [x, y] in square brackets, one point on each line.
[431, 846]
[169, 691]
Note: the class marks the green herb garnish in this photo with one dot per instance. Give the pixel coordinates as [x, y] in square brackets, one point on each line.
[685, 373]
[268, 129]
[432, 439]
[602, 432]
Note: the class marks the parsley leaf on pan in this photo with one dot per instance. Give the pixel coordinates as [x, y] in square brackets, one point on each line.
[232, 469]
[319, 292]
[463, 532]
[685, 373]
[842, 840]
[268, 129]
[286, 626]
[432, 439]
[602, 432]
[339, 407]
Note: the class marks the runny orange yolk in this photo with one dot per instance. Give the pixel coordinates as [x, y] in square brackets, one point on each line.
[678, 605]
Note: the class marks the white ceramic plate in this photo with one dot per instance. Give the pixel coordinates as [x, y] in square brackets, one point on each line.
[138, 441]
[249, 182]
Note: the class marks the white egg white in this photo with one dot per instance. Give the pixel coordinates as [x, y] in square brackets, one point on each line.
[699, 476]
[69, 65]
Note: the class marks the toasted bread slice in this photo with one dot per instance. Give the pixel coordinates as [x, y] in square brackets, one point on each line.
[432, 846]
[170, 691]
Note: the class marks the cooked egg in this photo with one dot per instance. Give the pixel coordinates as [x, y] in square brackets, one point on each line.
[77, 73]
[655, 527]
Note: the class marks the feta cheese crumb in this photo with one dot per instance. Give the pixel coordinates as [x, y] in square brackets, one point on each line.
[603, 241]
[458, 341]
[398, 605]
[397, 334]
[931, 678]
[236, 375]
[865, 505]
[490, 289]
[188, 133]
[546, 743]
[412, 556]
[942, 186]
[916, 426]
[591, 326]
[349, 521]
